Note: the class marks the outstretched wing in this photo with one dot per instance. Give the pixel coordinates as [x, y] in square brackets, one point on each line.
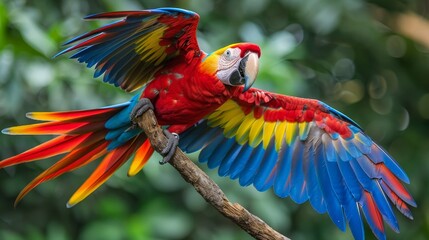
[129, 51]
[307, 150]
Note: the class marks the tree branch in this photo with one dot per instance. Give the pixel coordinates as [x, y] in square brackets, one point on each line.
[206, 187]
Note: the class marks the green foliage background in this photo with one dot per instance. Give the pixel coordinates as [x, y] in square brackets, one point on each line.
[331, 50]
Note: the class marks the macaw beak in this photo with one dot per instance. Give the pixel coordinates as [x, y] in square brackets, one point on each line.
[242, 71]
[249, 67]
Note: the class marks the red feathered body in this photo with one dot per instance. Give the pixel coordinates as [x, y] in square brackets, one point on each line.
[184, 93]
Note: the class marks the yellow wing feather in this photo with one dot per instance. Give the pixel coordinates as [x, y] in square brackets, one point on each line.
[243, 131]
[248, 128]
[291, 131]
[255, 135]
[268, 133]
[232, 126]
[279, 134]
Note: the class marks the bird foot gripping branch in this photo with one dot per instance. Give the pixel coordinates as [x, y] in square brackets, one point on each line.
[300, 148]
[141, 107]
[170, 148]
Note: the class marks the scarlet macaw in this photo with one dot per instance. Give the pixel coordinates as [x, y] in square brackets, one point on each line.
[301, 148]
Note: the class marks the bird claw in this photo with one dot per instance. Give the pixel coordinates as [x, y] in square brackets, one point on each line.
[170, 149]
[141, 107]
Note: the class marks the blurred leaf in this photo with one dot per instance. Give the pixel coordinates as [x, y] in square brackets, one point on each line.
[56, 232]
[103, 230]
[32, 33]
[3, 25]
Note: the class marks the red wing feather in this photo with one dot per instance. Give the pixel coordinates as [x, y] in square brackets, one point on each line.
[130, 51]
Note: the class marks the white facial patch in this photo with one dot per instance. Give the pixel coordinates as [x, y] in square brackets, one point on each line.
[229, 58]
[228, 62]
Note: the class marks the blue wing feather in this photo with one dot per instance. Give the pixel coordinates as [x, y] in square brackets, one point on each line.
[331, 201]
[95, 53]
[339, 175]
[399, 205]
[351, 180]
[219, 154]
[118, 74]
[351, 149]
[331, 154]
[196, 138]
[114, 133]
[207, 152]
[340, 115]
[230, 157]
[354, 219]
[298, 192]
[240, 162]
[247, 175]
[190, 135]
[123, 138]
[378, 153]
[373, 218]
[284, 165]
[204, 139]
[129, 51]
[361, 176]
[341, 151]
[384, 207]
[122, 118]
[314, 191]
[262, 180]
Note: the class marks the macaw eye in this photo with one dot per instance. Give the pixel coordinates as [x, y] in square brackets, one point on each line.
[228, 54]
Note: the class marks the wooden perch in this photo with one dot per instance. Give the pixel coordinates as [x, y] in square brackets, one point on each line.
[206, 187]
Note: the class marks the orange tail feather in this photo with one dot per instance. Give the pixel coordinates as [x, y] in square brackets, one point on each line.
[141, 157]
[82, 135]
[70, 162]
[54, 147]
[94, 114]
[111, 162]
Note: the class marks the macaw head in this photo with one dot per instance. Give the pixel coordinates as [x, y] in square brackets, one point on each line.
[235, 65]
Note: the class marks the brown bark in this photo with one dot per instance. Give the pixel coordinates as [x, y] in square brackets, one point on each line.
[206, 187]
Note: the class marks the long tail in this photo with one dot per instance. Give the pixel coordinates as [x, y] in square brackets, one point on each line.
[84, 136]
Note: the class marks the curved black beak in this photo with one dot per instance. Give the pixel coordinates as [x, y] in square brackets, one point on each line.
[246, 72]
